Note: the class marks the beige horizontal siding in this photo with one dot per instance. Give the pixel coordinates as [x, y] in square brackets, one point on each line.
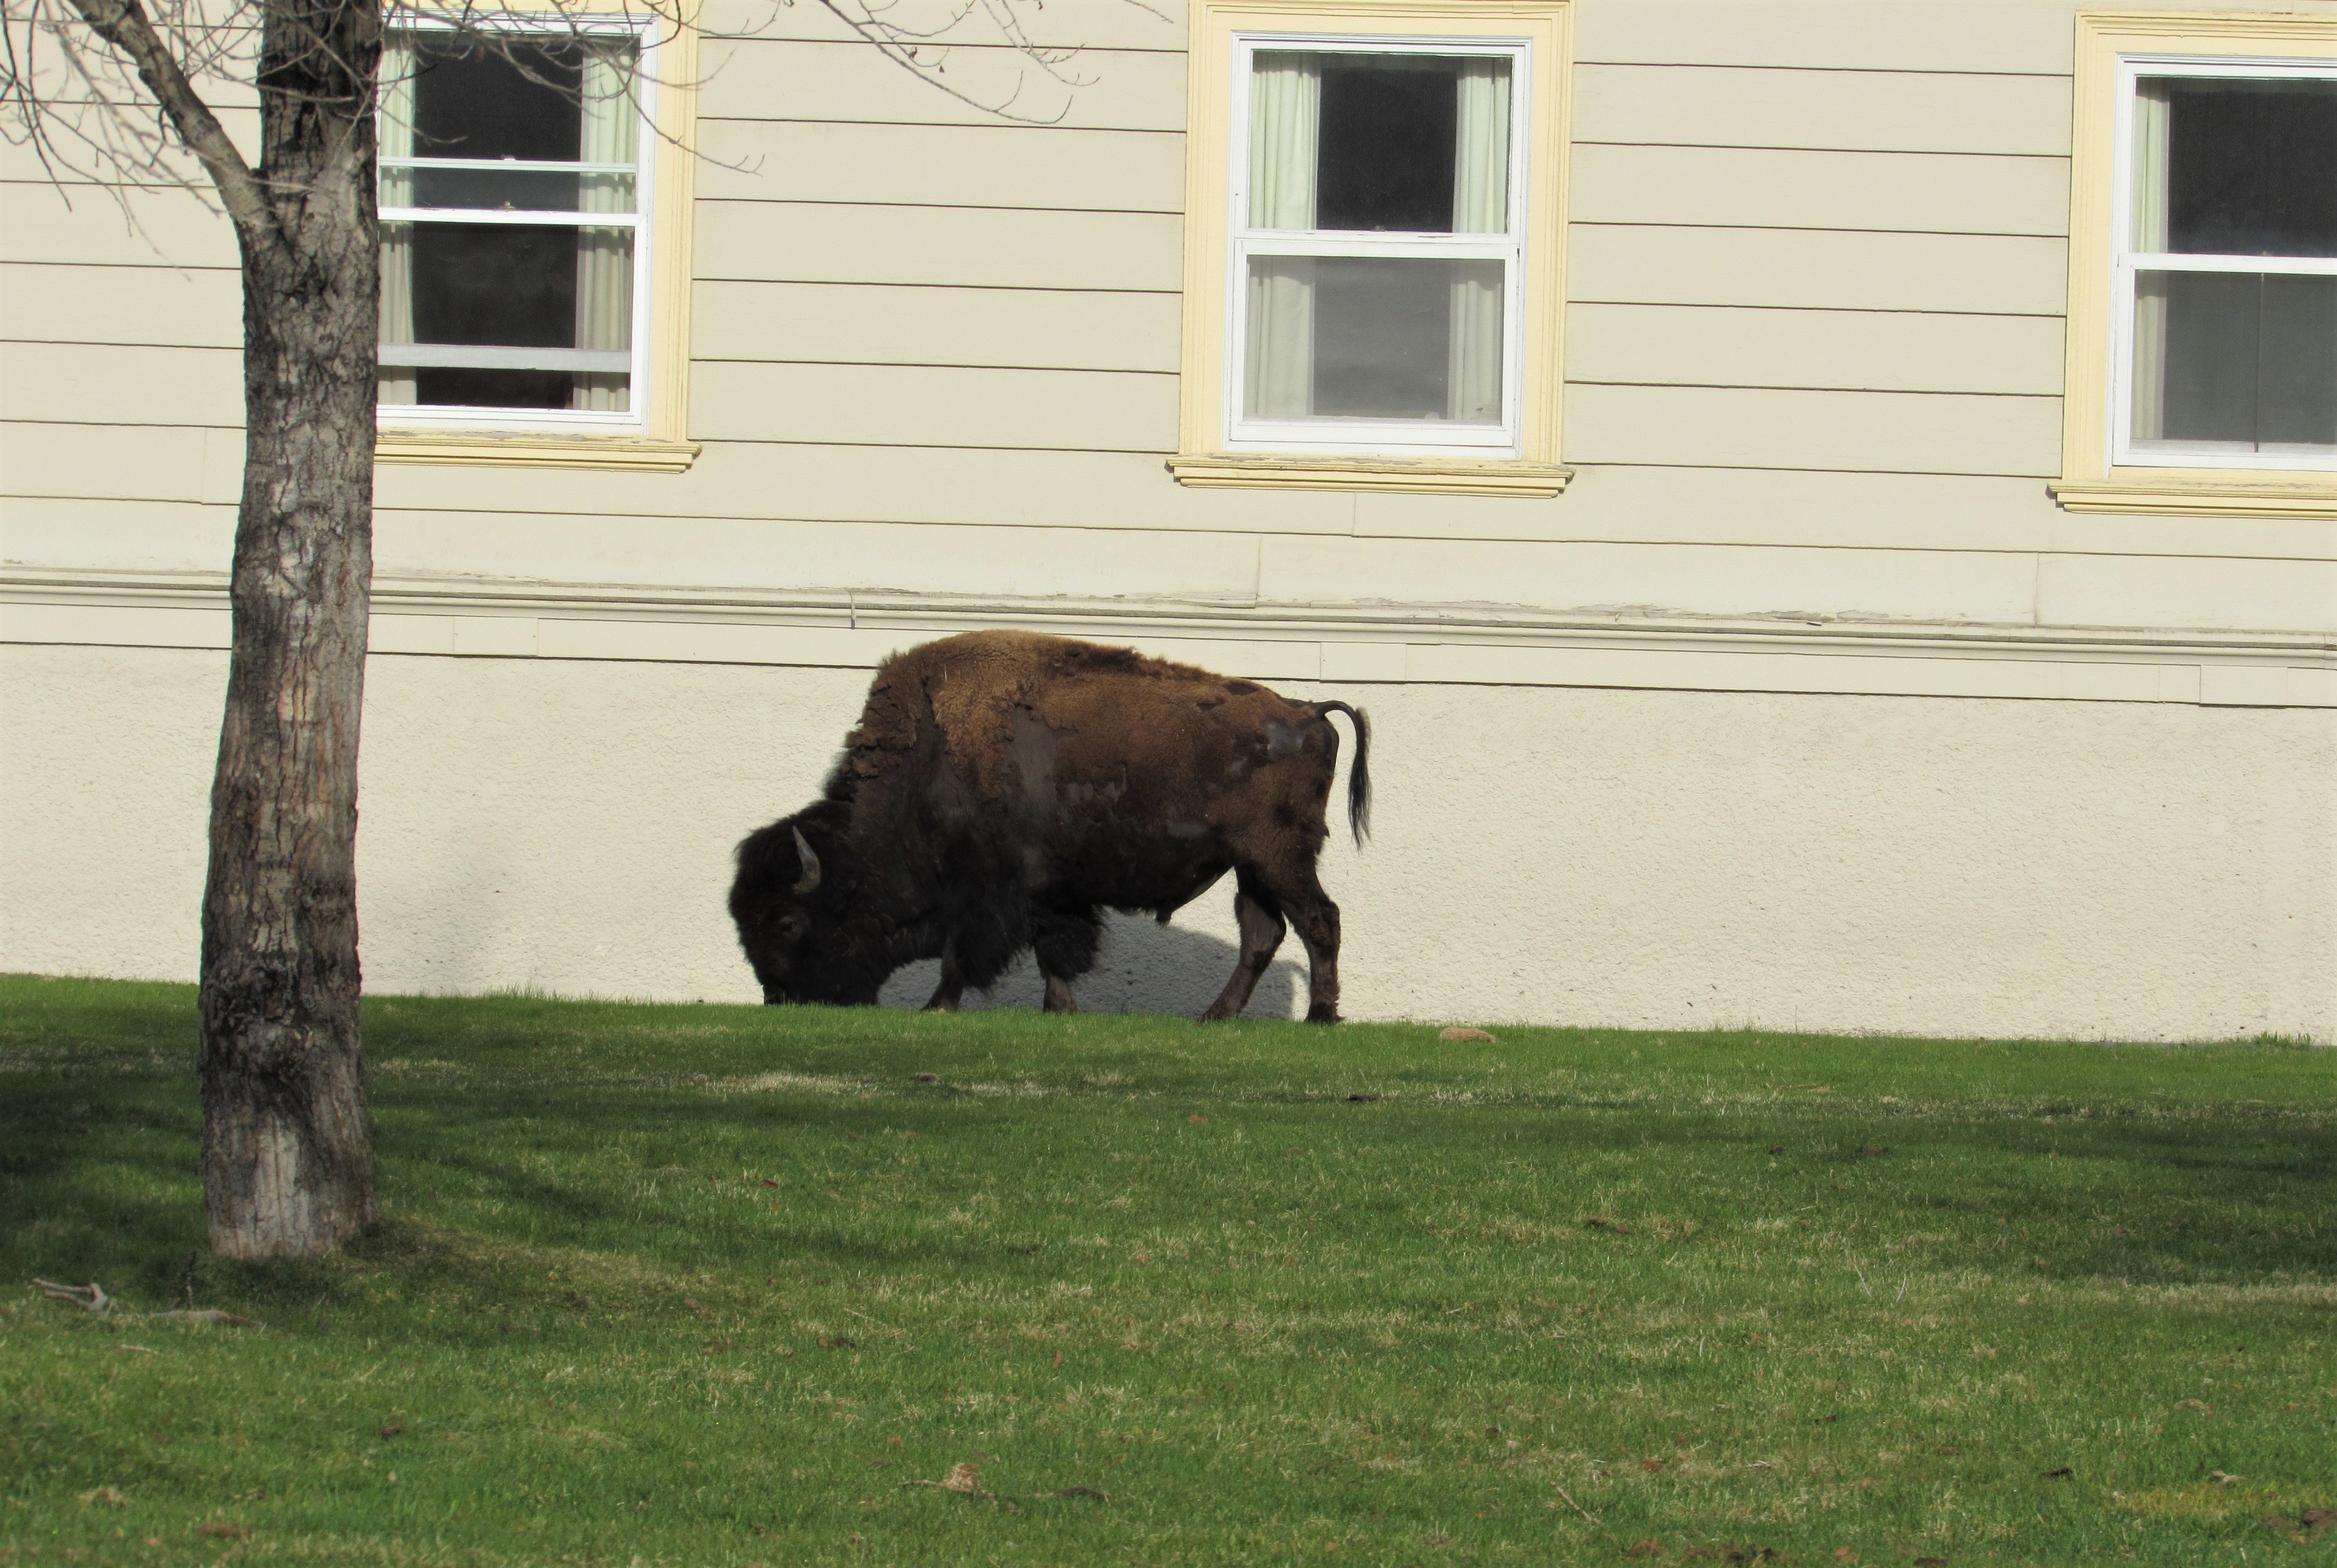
[955, 518]
[933, 405]
[2129, 590]
[1874, 432]
[1981, 274]
[1823, 509]
[1077, 25]
[1072, 490]
[943, 166]
[864, 323]
[73, 125]
[1882, 351]
[1695, 579]
[54, 302]
[2022, 36]
[979, 247]
[850, 82]
[1760, 188]
[173, 229]
[781, 554]
[106, 384]
[1845, 111]
[119, 462]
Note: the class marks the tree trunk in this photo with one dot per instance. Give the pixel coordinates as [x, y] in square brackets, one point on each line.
[288, 1157]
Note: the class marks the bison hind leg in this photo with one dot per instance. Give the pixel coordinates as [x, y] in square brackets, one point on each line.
[1262, 930]
[1065, 943]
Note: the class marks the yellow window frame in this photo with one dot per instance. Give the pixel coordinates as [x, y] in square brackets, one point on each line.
[1201, 459]
[2089, 482]
[661, 445]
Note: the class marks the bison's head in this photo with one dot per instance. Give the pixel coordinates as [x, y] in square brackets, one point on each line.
[806, 909]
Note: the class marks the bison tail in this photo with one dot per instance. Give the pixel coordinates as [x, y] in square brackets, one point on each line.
[1359, 777]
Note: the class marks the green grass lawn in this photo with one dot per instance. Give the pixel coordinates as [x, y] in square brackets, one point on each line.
[692, 1285]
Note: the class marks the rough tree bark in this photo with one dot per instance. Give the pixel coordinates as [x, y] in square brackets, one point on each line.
[286, 1157]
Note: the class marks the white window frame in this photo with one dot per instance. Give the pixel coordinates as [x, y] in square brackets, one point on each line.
[1337, 436]
[636, 363]
[2125, 264]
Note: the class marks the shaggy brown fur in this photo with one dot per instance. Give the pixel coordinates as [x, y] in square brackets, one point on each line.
[1002, 788]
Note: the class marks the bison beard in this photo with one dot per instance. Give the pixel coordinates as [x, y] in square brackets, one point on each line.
[1003, 788]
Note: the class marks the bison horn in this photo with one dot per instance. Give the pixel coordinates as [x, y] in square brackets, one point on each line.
[810, 865]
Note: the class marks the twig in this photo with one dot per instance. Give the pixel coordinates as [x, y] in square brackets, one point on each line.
[89, 1297]
[200, 1315]
[963, 1480]
[92, 1298]
[1578, 1507]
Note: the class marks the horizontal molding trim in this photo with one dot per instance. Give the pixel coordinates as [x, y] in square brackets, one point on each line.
[2180, 499]
[617, 453]
[1348, 644]
[1416, 476]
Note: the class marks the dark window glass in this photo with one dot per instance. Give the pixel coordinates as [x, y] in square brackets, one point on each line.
[494, 388]
[2251, 357]
[2252, 167]
[507, 283]
[1383, 337]
[1387, 133]
[512, 100]
[495, 188]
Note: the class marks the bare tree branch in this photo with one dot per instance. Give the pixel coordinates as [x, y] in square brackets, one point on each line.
[124, 23]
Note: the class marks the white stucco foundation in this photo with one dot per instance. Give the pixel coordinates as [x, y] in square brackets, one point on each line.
[1657, 859]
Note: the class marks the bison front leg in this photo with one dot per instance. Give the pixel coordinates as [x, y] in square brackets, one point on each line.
[1065, 944]
[952, 990]
[1262, 931]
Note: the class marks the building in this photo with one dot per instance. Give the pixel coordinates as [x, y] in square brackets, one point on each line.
[1829, 503]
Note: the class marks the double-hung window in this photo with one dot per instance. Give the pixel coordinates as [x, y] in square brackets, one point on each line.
[1375, 254]
[2202, 283]
[518, 246]
[1373, 269]
[2227, 281]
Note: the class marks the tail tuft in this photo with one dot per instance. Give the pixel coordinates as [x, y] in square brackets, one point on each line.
[1359, 777]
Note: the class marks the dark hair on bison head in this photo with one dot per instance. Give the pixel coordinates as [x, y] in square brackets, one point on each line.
[809, 931]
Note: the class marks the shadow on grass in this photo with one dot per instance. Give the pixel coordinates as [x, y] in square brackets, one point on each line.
[99, 1133]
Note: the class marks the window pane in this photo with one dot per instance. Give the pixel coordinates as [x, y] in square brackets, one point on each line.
[502, 290]
[2250, 166]
[508, 99]
[1371, 337]
[1379, 142]
[2236, 358]
[526, 191]
[495, 283]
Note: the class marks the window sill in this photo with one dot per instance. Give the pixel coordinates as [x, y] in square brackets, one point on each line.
[2187, 497]
[1415, 475]
[490, 449]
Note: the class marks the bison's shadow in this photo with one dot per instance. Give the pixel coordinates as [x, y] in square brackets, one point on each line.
[1145, 968]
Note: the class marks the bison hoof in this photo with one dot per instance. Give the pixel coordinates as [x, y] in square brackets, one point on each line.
[1322, 1013]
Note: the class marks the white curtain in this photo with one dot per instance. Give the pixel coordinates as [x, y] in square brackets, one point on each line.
[397, 133]
[605, 257]
[1480, 205]
[1286, 114]
[2151, 107]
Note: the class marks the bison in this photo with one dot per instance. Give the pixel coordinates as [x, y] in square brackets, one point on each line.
[1002, 788]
